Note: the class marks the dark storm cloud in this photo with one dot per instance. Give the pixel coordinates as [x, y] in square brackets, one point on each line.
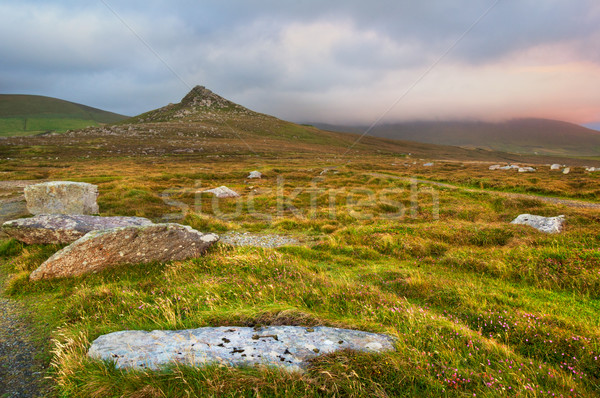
[288, 58]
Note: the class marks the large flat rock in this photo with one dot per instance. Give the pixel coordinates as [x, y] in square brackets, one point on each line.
[99, 250]
[289, 347]
[549, 225]
[62, 197]
[63, 228]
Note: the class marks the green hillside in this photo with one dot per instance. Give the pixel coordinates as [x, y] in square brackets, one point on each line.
[34, 114]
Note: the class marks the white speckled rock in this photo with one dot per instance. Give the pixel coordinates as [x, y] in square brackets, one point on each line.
[63, 228]
[62, 197]
[526, 169]
[99, 250]
[255, 174]
[550, 225]
[289, 347]
[222, 192]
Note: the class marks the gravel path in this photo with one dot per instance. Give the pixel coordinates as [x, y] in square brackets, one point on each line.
[567, 202]
[21, 375]
[257, 240]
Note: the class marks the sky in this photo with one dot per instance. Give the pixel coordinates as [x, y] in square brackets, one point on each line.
[335, 61]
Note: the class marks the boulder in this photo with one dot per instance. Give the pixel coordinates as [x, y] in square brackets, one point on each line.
[62, 197]
[99, 250]
[64, 228]
[255, 174]
[222, 192]
[494, 167]
[288, 347]
[567, 170]
[428, 164]
[550, 225]
[555, 166]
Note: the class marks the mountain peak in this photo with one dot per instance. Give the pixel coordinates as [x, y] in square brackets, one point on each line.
[202, 97]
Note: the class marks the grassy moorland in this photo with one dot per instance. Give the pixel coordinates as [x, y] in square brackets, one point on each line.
[480, 307]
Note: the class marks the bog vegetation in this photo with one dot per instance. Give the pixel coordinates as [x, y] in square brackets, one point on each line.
[479, 307]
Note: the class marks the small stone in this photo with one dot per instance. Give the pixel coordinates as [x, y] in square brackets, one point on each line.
[550, 225]
[222, 192]
[255, 174]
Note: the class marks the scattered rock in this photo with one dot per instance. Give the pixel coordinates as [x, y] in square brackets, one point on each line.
[257, 240]
[62, 197]
[526, 170]
[550, 225]
[428, 164]
[494, 167]
[592, 169]
[327, 170]
[567, 170]
[555, 166]
[288, 347]
[64, 228]
[98, 250]
[255, 174]
[222, 192]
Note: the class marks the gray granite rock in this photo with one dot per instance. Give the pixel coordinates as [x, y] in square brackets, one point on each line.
[64, 228]
[526, 169]
[99, 250]
[222, 192]
[257, 240]
[255, 174]
[550, 225]
[289, 347]
[62, 197]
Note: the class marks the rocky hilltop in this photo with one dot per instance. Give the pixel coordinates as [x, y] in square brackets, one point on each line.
[199, 102]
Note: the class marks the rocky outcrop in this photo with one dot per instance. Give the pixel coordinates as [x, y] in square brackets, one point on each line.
[289, 347]
[62, 197]
[222, 192]
[63, 228]
[550, 225]
[99, 250]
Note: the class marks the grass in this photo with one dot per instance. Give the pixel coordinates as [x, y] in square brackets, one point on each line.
[22, 115]
[480, 307]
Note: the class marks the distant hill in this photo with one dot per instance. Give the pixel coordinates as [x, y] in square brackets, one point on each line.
[35, 114]
[523, 136]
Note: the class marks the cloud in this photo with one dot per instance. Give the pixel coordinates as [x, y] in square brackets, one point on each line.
[309, 60]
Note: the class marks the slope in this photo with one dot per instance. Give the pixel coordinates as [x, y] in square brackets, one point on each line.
[526, 136]
[33, 114]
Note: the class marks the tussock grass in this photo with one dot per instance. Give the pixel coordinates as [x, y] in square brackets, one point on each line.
[478, 306]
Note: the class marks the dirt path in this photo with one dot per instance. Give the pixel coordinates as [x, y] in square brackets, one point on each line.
[548, 199]
[21, 374]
